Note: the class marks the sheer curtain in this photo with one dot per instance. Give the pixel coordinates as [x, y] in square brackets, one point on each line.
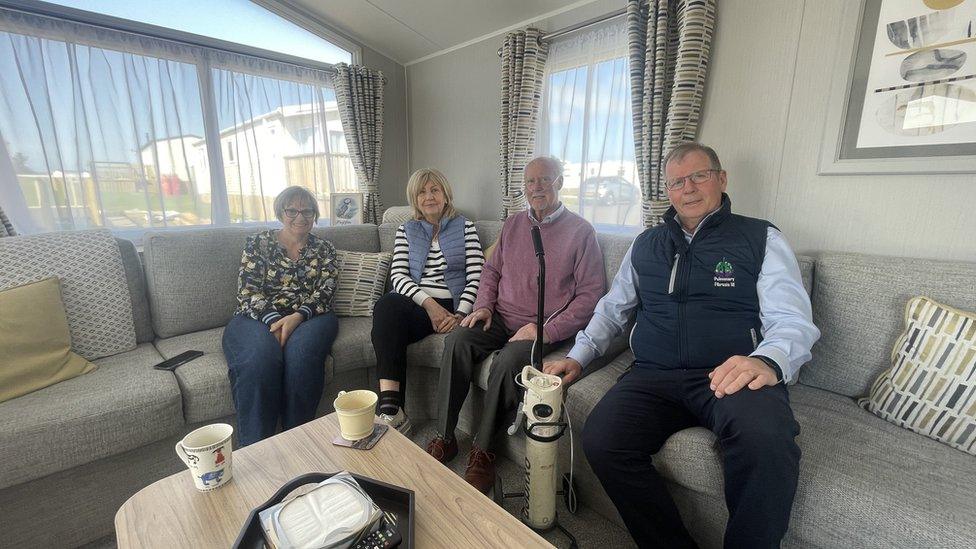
[586, 122]
[277, 130]
[111, 129]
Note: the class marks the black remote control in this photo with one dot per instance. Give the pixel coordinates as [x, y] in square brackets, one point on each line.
[387, 536]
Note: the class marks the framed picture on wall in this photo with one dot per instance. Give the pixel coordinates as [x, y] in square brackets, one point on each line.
[907, 102]
[347, 209]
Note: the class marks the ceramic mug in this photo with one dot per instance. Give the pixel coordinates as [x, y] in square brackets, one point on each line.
[356, 410]
[207, 452]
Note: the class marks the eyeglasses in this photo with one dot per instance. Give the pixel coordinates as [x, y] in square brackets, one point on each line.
[697, 178]
[292, 213]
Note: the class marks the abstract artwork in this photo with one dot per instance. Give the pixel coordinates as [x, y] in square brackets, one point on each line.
[920, 88]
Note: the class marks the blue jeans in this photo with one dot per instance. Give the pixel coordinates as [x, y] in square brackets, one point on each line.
[270, 382]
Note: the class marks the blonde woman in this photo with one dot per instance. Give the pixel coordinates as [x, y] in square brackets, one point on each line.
[437, 262]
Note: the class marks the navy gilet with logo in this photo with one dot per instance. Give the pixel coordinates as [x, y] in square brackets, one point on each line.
[450, 237]
[698, 301]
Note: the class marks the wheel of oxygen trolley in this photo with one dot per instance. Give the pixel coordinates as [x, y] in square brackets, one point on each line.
[498, 494]
[569, 494]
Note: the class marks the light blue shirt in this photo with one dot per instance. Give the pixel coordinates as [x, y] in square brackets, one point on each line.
[549, 218]
[784, 309]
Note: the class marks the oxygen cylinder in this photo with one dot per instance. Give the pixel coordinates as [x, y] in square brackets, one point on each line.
[542, 404]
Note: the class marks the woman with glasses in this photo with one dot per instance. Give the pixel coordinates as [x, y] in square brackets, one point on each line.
[434, 278]
[284, 326]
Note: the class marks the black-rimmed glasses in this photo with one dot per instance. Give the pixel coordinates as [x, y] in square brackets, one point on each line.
[292, 213]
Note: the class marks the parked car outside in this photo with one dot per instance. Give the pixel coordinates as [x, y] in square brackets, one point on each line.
[609, 190]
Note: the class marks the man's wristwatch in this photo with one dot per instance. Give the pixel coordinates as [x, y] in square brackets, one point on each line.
[772, 364]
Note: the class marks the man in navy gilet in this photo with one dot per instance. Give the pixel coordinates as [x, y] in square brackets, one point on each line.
[722, 324]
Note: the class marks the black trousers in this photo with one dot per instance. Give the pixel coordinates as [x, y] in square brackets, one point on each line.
[465, 348]
[756, 430]
[398, 322]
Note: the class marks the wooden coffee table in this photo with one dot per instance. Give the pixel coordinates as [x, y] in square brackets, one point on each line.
[448, 511]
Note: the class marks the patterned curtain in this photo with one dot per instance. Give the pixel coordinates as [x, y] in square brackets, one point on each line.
[523, 64]
[6, 227]
[359, 94]
[669, 43]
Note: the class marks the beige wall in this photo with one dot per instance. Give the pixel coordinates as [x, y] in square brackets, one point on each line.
[764, 111]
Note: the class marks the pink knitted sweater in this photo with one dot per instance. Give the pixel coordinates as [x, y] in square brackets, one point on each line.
[575, 279]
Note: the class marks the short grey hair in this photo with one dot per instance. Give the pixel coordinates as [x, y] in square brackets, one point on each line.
[553, 162]
[294, 194]
[684, 149]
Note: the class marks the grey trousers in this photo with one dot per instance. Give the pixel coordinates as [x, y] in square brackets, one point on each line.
[465, 348]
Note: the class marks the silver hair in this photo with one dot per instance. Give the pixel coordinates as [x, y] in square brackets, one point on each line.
[553, 162]
[294, 194]
[682, 150]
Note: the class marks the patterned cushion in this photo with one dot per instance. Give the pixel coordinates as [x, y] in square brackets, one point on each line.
[362, 279]
[931, 385]
[93, 285]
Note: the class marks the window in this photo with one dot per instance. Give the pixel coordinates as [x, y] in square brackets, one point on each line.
[586, 122]
[228, 20]
[129, 132]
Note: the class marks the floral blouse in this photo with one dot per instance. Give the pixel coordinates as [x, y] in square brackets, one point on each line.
[271, 285]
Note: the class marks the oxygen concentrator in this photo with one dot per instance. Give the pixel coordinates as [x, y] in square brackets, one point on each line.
[541, 415]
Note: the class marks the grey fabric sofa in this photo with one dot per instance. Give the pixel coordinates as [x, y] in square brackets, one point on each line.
[71, 454]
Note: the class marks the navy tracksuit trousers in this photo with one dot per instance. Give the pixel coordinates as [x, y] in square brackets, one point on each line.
[755, 429]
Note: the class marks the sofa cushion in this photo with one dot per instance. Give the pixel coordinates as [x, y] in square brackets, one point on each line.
[866, 482]
[122, 405]
[203, 381]
[192, 277]
[863, 482]
[362, 278]
[858, 304]
[353, 348]
[488, 232]
[192, 274]
[93, 284]
[135, 279]
[35, 340]
[205, 385]
[931, 386]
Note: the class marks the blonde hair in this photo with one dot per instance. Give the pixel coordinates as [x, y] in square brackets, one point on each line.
[416, 184]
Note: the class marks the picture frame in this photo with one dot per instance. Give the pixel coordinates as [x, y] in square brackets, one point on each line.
[346, 209]
[869, 140]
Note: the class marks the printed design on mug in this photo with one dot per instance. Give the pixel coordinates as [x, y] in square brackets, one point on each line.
[219, 456]
[214, 476]
[724, 276]
[193, 459]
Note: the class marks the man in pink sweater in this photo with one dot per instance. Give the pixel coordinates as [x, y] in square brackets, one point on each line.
[504, 313]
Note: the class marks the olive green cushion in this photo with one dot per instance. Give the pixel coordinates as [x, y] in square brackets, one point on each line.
[35, 340]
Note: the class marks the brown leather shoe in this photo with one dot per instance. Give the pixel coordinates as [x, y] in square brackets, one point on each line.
[442, 449]
[481, 469]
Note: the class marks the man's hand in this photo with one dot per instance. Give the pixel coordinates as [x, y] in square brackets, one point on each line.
[481, 315]
[527, 333]
[440, 318]
[285, 326]
[738, 372]
[567, 367]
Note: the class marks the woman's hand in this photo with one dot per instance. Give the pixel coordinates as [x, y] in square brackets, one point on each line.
[440, 318]
[285, 326]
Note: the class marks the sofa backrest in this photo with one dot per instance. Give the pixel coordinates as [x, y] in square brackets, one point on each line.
[135, 279]
[192, 275]
[94, 288]
[859, 305]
